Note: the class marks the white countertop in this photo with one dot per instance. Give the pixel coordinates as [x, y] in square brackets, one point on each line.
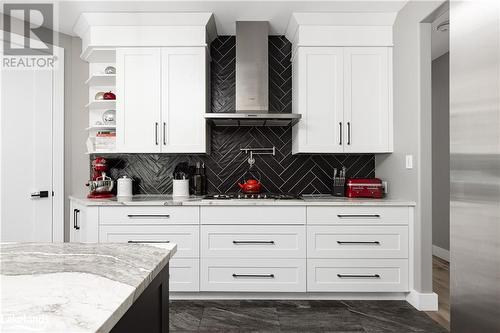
[307, 200]
[74, 287]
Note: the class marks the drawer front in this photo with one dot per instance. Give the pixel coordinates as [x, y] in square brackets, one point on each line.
[149, 215]
[357, 275]
[352, 215]
[186, 237]
[244, 241]
[184, 275]
[380, 241]
[253, 275]
[253, 215]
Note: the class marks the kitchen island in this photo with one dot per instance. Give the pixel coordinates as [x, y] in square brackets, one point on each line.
[73, 287]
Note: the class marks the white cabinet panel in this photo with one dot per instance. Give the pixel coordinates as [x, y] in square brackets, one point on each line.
[84, 223]
[138, 99]
[367, 105]
[149, 215]
[318, 90]
[253, 275]
[357, 241]
[361, 215]
[185, 236]
[184, 275]
[243, 241]
[253, 215]
[183, 91]
[357, 275]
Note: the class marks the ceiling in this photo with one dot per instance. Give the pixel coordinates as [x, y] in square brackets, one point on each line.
[226, 13]
[440, 39]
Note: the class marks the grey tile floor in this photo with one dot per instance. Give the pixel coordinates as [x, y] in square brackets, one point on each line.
[299, 316]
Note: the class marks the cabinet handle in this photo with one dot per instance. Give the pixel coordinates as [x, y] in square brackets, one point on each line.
[237, 242]
[156, 134]
[355, 216]
[340, 131]
[269, 276]
[152, 216]
[145, 241]
[349, 242]
[348, 132]
[75, 219]
[358, 276]
[164, 133]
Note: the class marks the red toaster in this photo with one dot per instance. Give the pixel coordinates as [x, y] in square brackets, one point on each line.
[364, 188]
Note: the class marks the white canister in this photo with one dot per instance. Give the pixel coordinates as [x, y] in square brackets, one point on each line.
[124, 187]
[180, 188]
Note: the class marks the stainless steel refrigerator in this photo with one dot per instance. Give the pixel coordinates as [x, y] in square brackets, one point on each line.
[475, 166]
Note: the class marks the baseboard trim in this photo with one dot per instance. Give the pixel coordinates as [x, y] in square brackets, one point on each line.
[441, 253]
[292, 296]
[423, 301]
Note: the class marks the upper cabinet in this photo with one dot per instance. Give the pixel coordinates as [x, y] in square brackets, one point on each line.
[162, 78]
[164, 99]
[342, 82]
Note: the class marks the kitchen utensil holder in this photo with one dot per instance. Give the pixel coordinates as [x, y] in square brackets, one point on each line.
[180, 188]
[339, 189]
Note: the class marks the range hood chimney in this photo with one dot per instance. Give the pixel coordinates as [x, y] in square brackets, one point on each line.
[252, 81]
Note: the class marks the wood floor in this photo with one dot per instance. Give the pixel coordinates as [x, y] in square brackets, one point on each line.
[441, 286]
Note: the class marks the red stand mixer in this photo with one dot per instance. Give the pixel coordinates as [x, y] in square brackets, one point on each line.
[100, 185]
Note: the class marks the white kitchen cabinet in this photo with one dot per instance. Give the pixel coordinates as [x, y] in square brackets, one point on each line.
[318, 96]
[344, 95]
[83, 223]
[138, 91]
[161, 100]
[184, 99]
[367, 99]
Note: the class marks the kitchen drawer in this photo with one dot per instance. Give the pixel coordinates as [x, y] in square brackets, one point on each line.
[374, 241]
[149, 215]
[185, 236]
[253, 215]
[184, 275]
[253, 275]
[245, 241]
[352, 215]
[357, 275]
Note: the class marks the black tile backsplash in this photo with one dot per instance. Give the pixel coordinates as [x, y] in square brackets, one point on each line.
[226, 165]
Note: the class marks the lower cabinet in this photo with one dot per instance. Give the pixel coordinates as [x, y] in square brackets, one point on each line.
[253, 275]
[357, 275]
[184, 275]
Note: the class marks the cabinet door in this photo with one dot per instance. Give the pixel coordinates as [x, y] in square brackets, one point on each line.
[367, 99]
[78, 215]
[184, 99]
[318, 88]
[138, 100]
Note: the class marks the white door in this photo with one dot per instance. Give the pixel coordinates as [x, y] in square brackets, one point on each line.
[31, 154]
[367, 99]
[183, 86]
[138, 100]
[319, 85]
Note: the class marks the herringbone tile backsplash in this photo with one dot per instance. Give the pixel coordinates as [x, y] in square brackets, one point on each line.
[226, 165]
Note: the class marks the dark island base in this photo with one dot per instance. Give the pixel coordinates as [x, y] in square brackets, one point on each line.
[150, 312]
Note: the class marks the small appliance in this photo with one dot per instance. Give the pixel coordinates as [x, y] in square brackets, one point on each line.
[364, 188]
[100, 185]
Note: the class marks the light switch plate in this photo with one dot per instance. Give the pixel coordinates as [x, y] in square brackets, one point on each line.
[409, 161]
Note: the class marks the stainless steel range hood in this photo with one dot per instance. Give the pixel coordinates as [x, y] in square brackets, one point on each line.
[252, 81]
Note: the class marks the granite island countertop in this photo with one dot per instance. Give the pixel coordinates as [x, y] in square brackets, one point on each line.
[73, 287]
[306, 200]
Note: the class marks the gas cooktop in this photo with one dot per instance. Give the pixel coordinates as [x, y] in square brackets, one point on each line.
[273, 196]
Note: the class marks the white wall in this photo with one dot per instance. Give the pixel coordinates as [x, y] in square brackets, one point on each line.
[409, 132]
[441, 151]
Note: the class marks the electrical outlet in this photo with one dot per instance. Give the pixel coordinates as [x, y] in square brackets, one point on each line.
[384, 184]
[409, 161]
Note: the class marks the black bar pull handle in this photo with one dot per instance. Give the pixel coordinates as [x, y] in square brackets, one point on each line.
[360, 242]
[75, 219]
[358, 276]
[354, 216]
[340, 132]
[131, 216]
[147, 241]
[269, 276]
[237, 242]
[348, 132]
